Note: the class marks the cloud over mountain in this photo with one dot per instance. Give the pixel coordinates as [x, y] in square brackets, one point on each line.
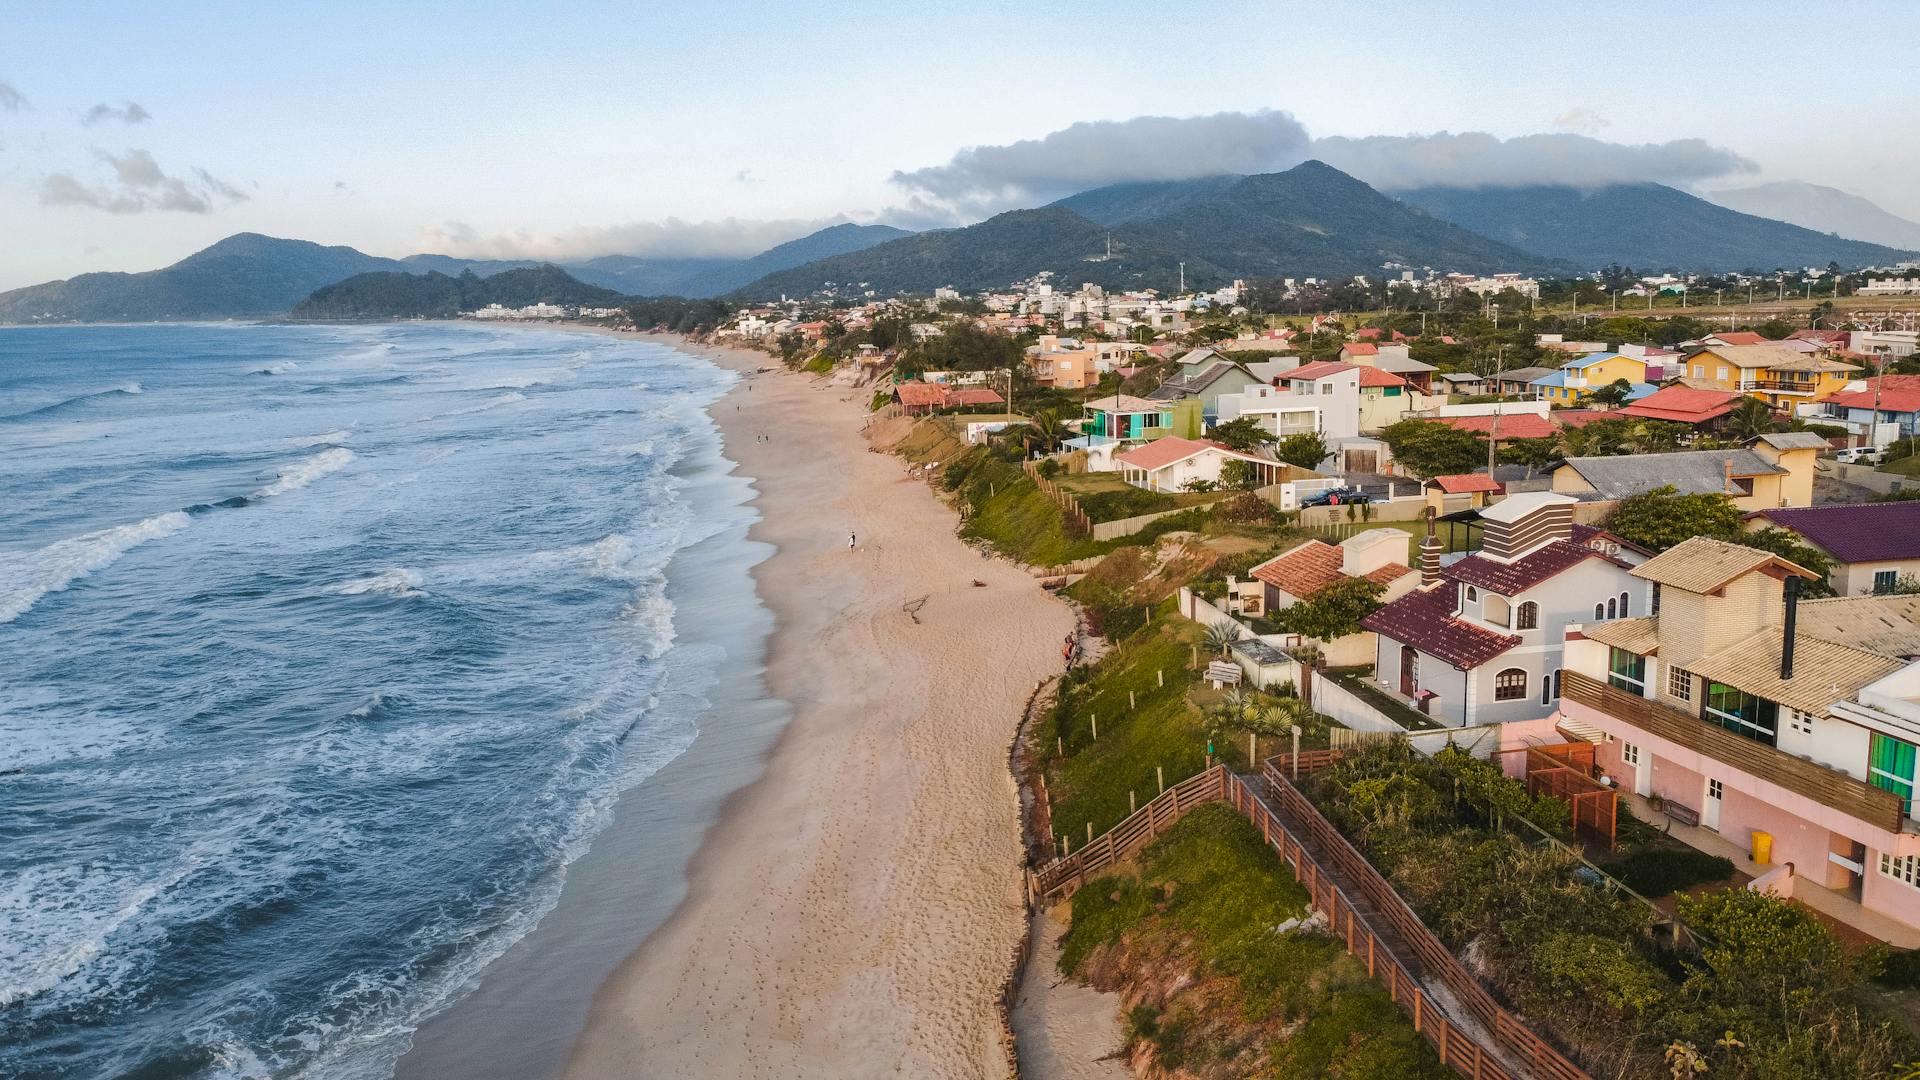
[980, 180]
[137, 185]
[726, 238]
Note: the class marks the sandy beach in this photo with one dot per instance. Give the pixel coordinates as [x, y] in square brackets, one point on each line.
[853, 912]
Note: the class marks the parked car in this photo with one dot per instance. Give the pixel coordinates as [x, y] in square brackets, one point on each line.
[1859, 455]
[1340, 496]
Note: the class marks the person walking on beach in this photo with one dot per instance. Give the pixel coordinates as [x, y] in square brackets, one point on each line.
[849, 541]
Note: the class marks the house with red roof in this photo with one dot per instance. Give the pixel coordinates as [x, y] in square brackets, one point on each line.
[1174, 464]
[1509, 427]
[1299, 574]
[1875, 547]
[918, 398]
[1479, 641]
[1477, 488]
[1686, 405]
[1896, 397]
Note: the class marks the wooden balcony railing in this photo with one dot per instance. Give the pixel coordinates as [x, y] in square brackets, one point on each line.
[1828, 787]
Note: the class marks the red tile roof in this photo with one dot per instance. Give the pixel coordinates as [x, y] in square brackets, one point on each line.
[1424, 619]
[1898, 393]
[978, 395]
[1465, 483]
[1304, 570]
[1516, 426]
[919, 393]
[1684, 404]
[1165, 451]
[1739, 337]
[1523, 573]
[1368, 333]
[1577, 418]
[1389, 573]
[1319, 369]
[1360, 348]
[939, 397]
[1373, 376]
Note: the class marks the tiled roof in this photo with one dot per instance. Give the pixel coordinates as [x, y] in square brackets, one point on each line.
[1163, 452]
[1887, 625]
[1756, 355]
[1701, 564]
[1522, 374]
[1424, 619]
[1856, 532]
[1360, 348]
[1823, 671]
[1386, 575]
[1638, 636]
[1898, 393]
[978, 395]
[1123, 403]
[1690, 472]
[1597, 358]
[1739, 337]
[1684, 404]
[1465, 483]
[1373, 376]
[1523, 573]
[1579, 418]
[919, 393]
[1515, 426]
[1302, 571]
[1319, 369]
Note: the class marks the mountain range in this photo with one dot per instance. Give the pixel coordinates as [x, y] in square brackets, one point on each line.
[1822, 209]
[248, 275]
[393, 294]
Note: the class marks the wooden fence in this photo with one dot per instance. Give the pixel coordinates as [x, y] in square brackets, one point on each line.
[1078, 524]
[1461, 1048]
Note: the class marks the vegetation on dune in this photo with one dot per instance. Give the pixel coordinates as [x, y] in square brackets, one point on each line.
[1215, 988]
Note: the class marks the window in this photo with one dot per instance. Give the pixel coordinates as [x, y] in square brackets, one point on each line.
[1472, 594]
[1904, 868]
[1613, 607]
[1623, 605]
[1699, 371]
[1629, 753]
[1627, 671]
[1549, 687]
[1716, 790]
[1679, 683]
[1656, 599]
[1890, 766]
[1720, 373]
[1742, 713]
[1800, 722]
[1529, 617]
[1885, 581]
[1510, 685]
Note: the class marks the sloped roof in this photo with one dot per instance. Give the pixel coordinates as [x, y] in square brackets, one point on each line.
[1319, 369]
[1739, 337]
[1303, 570]
[1514, 426]
[919, 393]
[1123, 403]
[1360, 348]
[1856, 532]
[1792, 440]
[1684, 405]
[1522, 374]
[1373, 376]
[1823, 671]
[1465, 483]
[1702, 564]
[1690, 472]
[1888, 625]
[1898, 393]
[1639, 636]
[1424, 619]
[1523, 573]
[1750, 355]
[1592, 359]
[1165, 451]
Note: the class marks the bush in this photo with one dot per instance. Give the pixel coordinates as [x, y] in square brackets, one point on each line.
[1656, 872]
[1247, 509]
[1902, 969]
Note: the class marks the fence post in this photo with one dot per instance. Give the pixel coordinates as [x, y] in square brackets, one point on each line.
[1418, 998]
[1160, 775]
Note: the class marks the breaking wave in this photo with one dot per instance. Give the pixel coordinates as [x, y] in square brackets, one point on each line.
[297, 476]
[25, 578]
[400, 582]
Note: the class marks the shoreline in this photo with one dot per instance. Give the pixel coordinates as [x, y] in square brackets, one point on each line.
[853, 910]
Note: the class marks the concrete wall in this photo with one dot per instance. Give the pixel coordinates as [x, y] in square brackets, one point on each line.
[1856, 579]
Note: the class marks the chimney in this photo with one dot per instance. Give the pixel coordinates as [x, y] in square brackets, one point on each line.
[1429, 554]
[1787, 632]
[1726, 481]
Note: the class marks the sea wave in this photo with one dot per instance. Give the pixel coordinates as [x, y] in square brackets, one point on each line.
[25, 578]
[130, 389]
[399, 582]
[490, 403]
[300, 474]
[322, 439]
[275, 369]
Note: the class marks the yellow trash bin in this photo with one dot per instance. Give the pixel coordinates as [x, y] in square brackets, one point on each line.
[1762, 848]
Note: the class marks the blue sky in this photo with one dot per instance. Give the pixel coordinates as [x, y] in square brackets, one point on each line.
[566, 129]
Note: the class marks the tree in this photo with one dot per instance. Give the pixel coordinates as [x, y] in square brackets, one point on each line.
[1048, 426]
[1433, 449]
[1238, 475]
[1663, 517]
[1533, 453]
[1244, 434]
[1613, 395]
[1749, 418]
[1307, 450]
[1333, 612]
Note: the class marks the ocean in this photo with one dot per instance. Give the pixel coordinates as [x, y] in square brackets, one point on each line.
[323, 652]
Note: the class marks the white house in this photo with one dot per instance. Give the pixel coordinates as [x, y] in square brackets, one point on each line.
[1172, 463]
[1321, 397]
[1480, 640]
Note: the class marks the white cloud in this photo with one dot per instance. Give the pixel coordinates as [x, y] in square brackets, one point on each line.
[138, 185]
[129, 113]
[1581, 121]
[982, 180]
[726, 238]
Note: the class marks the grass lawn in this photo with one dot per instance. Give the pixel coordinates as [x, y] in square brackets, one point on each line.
[1209, 895]
[1908, 467]
[1355, 679]
[1107, 497]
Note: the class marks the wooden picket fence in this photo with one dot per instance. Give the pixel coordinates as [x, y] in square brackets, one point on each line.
[1078, 523]
[1379, 930]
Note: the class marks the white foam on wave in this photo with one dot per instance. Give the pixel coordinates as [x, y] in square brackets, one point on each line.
[398, 582]
[275, 369]
[129, 388]
[651, 613]
[639, 449]
[300, 474]
[490, 403]
[323, 439]
[366, 708]
[69, 932]
[520, 380]
[27, 577]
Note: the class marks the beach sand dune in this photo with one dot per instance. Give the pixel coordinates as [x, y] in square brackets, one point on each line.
[854, 911]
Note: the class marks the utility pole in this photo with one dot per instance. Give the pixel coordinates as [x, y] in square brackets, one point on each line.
[1183, 279]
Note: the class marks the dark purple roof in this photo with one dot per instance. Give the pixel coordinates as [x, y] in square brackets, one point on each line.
[1424, 619]
[1530, 569]
[1856, 532]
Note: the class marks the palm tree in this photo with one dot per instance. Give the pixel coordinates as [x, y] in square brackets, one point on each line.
[1749, 419]
[1222, 634]
[1051, 429]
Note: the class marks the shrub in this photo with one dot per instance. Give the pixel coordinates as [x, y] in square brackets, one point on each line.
[1657, 872]
[1901, 969]
[1246, 509]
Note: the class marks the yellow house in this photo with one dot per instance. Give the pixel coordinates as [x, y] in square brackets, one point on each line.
[1779, 375]
[1772, 471]
[1577, 379]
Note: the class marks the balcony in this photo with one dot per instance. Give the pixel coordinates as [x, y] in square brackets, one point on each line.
[1855, 798]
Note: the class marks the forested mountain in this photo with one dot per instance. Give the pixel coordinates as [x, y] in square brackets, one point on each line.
[1822, 209]
[433, 295]
[244, 275]
[1310, 221]
[1649, 226]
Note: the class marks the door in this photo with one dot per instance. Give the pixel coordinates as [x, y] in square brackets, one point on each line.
[1367, 461]
[1409, 670]
[1710, 813]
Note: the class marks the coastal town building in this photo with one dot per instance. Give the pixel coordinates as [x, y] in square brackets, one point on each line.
[1768, 473]
[1576, 380]
[1777, 374]
[1479, 641]
[1301, 572]
[1893, 399]
[1875, 547]
[1778, 727]
[1173, 464]
[1676, 404]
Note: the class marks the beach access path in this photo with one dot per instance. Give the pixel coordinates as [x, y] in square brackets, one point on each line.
[854, 911]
